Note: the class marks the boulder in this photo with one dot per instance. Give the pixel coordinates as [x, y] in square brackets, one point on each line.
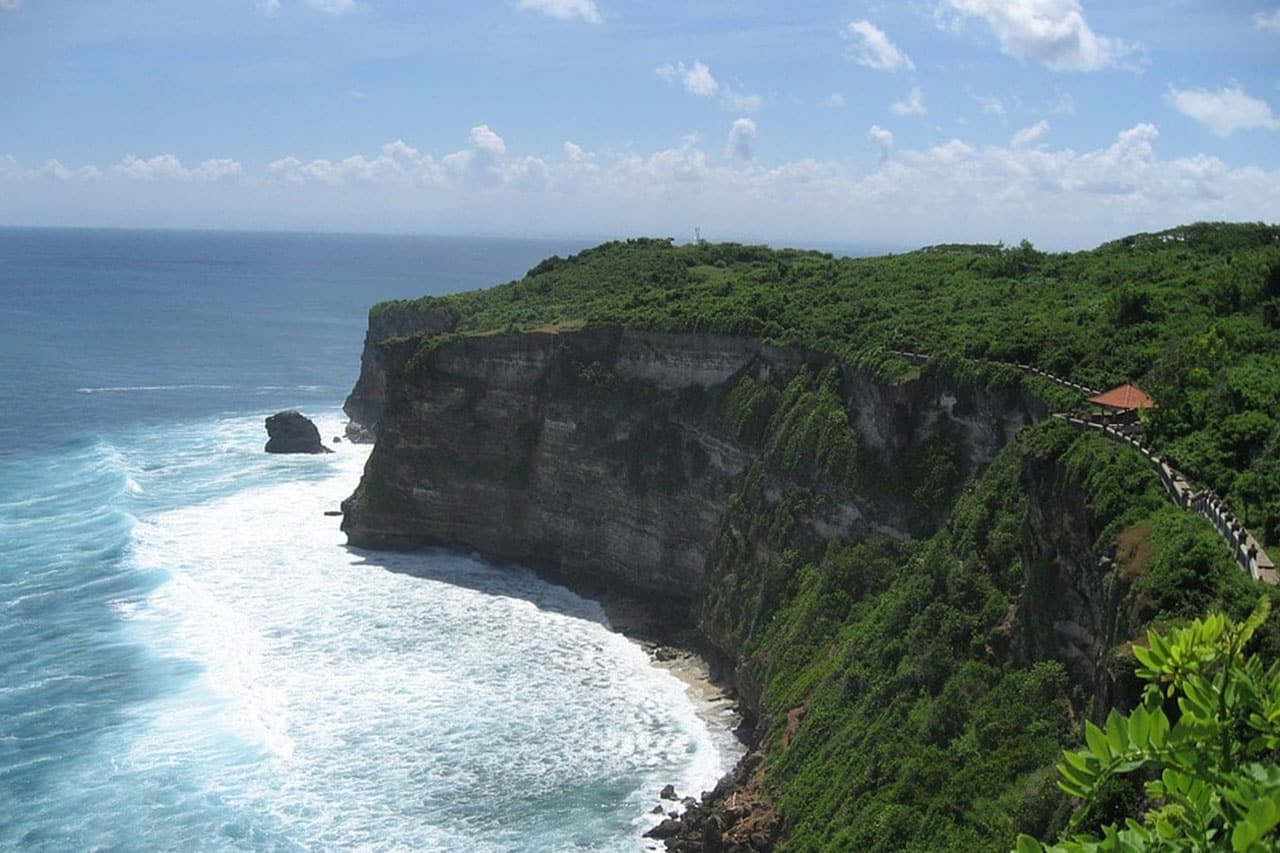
[292, 432]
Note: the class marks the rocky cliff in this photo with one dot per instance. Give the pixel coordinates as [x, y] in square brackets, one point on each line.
[704, 471]
[607, 456]
[388, 321]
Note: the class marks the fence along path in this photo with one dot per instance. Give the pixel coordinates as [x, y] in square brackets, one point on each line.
[1244, 547]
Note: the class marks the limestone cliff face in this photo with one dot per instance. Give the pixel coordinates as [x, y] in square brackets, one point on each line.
[588, 454]
[1074, 606]
[603, 456]
[389, 320]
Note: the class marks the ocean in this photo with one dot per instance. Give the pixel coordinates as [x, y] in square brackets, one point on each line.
[190, 656]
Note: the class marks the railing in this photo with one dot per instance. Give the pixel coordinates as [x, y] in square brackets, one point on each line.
[918, 358]
[1244, 547]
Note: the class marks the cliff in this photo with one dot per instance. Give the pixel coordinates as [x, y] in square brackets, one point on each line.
[388, 321]
[609, 456]
[847, 541]
[922, 585]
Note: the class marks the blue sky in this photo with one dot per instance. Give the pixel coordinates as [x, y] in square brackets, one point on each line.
[1067, 122]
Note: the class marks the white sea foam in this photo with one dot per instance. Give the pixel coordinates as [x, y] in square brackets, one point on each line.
[121, 389]
[408, 701]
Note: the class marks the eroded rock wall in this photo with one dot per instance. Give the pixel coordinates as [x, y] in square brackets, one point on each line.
[603, 457]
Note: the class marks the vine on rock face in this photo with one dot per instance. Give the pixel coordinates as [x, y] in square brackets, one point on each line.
[1213, 774]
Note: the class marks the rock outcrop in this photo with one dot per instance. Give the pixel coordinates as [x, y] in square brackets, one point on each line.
[388, 320]
[293, 432]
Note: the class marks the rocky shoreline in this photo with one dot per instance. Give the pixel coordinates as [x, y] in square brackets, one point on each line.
[733, 817]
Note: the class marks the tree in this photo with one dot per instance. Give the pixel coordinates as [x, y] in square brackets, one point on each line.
[1213, 782]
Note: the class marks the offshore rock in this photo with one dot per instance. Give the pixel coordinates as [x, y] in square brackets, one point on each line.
[293, 432]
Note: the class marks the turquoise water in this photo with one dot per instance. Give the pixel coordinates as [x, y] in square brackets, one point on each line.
[191, 659]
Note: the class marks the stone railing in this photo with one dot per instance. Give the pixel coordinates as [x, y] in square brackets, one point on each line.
[1244, 547]
[918, 358]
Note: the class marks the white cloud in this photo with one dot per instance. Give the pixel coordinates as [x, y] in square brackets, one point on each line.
[912, 105]
[954, 191]
[990, 104]
[268, 7]
[1053, 32]
[872, 48]
[883, 139]
[835, 101]
[1030, 134]
[485, 139]
[10, 5]
[1063, 106]
[575, 153]
[1223, 111]
[742, 137]
[332, 7]
[739, 102]
[696, 78]
[168, 167]
[1268, 21]
[564, 10]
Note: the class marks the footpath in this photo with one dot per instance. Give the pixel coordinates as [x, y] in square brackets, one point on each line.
[1245, 548]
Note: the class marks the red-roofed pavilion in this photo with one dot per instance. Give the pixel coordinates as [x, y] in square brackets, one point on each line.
[1125, 398]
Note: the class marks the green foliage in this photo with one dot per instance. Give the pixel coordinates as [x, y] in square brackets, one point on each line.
[1192, 314]
[810, 434]
[915, 734]
[1206, 739]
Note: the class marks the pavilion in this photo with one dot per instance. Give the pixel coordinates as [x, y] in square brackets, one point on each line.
[1124, 402]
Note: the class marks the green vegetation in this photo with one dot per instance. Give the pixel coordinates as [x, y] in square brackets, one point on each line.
[1206, 740]
[925, 727]
[1192, 314]
[904, 691]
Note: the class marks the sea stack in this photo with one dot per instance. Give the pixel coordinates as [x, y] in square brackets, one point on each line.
[293, 432]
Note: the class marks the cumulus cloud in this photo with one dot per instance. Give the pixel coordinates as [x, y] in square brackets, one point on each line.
[564, 10]
[956, 190]
[883, 139]
[1268, 21]
[742, 137]
[739, 102]
[835, 101]
[485, 139]
[1030, 134]
[169, 167]
[870, 46]
[1223, 111]
[1053, 32]
[696, 78]
[911, 105]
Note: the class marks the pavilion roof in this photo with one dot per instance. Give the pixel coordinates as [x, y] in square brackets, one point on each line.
[1124, 397]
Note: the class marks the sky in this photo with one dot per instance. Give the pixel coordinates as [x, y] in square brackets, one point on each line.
[1065, 122]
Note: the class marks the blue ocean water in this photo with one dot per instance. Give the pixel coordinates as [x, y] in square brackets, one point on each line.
[190, 659]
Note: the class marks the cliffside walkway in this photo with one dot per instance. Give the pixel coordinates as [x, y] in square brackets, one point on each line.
[1244, 547]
